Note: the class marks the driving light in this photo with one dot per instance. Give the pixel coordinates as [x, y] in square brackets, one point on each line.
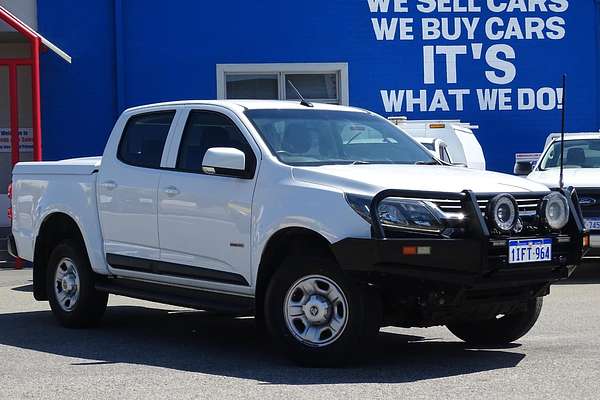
[554, 211]
[502, 212]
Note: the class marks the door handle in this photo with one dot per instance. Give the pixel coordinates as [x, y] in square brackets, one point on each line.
[109, 185]
[171, 191]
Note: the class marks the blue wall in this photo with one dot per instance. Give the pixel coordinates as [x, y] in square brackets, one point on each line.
[78, 99]
[162, 51]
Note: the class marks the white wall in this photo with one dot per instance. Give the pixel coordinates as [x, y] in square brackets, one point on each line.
[25, 10]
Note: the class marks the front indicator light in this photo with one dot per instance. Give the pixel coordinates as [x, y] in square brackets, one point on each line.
[409, 250]
[586, 240]
[416, 250]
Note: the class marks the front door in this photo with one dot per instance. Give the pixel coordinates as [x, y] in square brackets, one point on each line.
[204, 220]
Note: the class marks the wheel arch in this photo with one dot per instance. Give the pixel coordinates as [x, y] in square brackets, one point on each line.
[290, 240]
[55, 228]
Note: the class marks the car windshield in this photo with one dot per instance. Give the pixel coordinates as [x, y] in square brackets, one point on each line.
[580, 153]
[321, 137]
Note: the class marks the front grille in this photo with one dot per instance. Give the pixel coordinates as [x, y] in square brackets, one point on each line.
[589, 200]
[526, 205]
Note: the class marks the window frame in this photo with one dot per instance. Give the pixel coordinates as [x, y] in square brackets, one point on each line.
[282, 70]
[173, 125]
[251, 158]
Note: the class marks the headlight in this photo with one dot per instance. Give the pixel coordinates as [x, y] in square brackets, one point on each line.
[406, 214]
[502, 212]
[554, 211]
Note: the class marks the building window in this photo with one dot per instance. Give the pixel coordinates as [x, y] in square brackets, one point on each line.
[323, 83]
[252, 86]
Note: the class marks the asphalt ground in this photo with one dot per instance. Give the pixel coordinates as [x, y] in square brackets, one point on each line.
[145, 350]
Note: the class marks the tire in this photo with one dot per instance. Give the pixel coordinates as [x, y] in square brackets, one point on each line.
[499, 331]
[344, 317]
[73, 299]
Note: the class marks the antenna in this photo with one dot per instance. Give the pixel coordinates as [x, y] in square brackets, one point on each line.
[562, 131]
[302, 101]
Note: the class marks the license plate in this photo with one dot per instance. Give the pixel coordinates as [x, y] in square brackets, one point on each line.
[529, 251]
[592, 224]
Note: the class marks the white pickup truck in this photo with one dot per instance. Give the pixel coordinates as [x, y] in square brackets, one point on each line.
[325, 222]
[581, 171]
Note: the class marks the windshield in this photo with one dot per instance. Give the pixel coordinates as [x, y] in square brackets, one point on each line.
[320, 137]
[428, 146]
[580, 153]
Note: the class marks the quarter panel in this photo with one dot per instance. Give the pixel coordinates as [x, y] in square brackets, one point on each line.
[36, 197]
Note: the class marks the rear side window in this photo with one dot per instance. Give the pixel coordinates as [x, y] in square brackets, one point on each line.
[204, 130]
[144, 139]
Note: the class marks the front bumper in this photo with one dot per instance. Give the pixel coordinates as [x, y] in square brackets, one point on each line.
[462, 262]
[476, 260]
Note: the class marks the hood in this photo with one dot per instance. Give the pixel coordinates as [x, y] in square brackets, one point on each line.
[370, 179]
[576, 177]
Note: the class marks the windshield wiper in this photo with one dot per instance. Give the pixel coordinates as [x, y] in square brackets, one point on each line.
[361, 162]
[432, 162]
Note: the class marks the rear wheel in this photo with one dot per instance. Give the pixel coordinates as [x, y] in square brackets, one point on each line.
[318, 315]
[502, 329]
[73, 298]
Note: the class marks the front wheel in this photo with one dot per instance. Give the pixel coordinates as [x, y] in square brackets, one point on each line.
[318, 315]
[502, 329]
[73, 298]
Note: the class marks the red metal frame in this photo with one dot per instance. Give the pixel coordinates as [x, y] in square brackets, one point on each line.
[12, 63]
[34, 63]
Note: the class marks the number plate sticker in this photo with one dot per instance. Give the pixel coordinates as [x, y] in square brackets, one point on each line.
[529, 251]
[592, 224]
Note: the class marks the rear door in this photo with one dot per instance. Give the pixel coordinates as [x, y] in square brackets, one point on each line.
[204, 220]
[127, 189]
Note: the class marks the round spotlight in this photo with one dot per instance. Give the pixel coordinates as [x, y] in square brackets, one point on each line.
[503, 212]
[554, 211]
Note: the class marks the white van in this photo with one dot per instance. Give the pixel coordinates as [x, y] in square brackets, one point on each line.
[463, 146]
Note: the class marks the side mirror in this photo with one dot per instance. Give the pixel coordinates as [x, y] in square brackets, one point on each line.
[224, 161]
[523, 168]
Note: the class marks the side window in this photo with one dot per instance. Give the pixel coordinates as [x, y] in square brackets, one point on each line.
[206, 129]
[144, 139]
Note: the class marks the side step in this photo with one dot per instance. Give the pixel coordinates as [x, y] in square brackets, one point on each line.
[177, 296]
